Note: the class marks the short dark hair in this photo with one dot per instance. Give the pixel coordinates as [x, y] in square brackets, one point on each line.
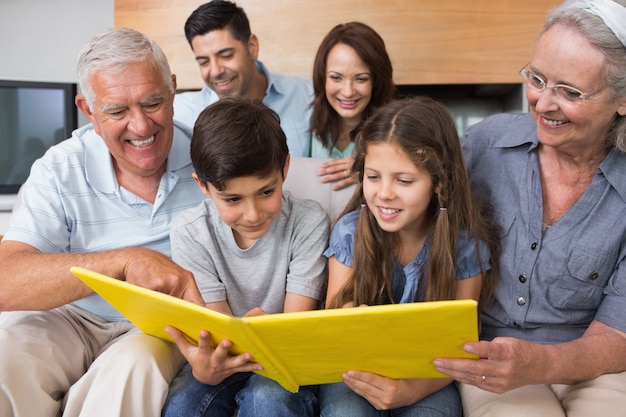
[217, 15]
[237, 137]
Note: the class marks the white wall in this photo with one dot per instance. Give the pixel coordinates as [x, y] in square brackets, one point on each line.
[40, 41]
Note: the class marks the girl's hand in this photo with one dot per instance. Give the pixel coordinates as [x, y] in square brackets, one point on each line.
[386, 393]
[211, 366]
[337, 171]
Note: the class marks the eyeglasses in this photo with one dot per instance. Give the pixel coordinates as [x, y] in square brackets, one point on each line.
[564, 92]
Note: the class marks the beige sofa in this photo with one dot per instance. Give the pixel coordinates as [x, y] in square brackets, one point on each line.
[302, 181]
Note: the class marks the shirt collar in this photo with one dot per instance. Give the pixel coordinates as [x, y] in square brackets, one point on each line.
[99, 166]
[522, 130]
[525, 133]
[613, 169]
[273, 83]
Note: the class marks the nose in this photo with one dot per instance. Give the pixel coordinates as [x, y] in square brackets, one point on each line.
[252, 213]
[139, 123]
[385, 192]
[347, 88]
[544, 101]
[215, 69]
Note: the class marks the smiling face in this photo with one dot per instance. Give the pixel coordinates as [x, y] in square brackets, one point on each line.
[248, 205]
[133, 113]
[564, 56]
[227, 65]
[348, 83]
[396, 191]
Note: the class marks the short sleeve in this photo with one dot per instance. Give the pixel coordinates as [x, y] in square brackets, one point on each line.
[469, 260]
[341, 244]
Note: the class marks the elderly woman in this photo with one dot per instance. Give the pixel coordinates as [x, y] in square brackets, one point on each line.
[554, 338]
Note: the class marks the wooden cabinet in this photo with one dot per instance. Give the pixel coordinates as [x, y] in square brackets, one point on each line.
[430, 42]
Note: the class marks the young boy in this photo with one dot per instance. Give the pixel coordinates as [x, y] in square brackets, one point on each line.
[252, 249]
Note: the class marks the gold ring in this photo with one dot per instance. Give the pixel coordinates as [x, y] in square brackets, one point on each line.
[482, 379]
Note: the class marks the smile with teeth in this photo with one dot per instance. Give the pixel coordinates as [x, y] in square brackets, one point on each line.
[553, 122]
[385, 210]
[221, 83]
[142, 143]
[348, 102]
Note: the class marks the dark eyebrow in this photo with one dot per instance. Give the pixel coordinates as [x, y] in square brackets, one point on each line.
[271, 184]
[220, 52]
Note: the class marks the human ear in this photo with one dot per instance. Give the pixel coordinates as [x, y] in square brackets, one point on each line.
[253, 47]
[201, 185]
[81, 103]
[286, 167]
[621, 110]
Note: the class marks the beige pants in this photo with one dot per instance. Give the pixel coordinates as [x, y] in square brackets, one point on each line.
[604, 397]
[71, 362]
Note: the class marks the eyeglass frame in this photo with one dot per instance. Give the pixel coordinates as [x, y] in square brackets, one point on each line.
[528, 75]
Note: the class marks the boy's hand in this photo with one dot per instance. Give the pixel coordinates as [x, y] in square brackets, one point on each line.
[211, 366]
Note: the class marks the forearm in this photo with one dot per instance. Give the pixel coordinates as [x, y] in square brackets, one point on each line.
[419, 389]
[32, 280]
[294, 302]
[601, 350]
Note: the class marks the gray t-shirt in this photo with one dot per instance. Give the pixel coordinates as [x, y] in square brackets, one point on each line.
[287, 259]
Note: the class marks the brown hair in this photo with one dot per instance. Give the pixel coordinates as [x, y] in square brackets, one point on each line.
[370, 47]
[237, 137]
[424, 129]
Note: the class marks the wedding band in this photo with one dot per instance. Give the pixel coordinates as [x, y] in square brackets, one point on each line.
[482, 379]
[345, 173]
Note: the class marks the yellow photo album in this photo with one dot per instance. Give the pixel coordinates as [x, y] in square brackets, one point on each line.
[312, 347]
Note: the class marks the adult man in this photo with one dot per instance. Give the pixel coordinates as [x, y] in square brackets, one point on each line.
[104, 200]
[226, 52]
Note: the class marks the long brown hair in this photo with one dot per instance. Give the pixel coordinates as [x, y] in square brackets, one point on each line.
[424, 129]
[370, 47]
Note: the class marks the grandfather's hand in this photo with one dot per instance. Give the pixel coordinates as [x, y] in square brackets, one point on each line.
[504, 364]
[338, 171]
[155, 271]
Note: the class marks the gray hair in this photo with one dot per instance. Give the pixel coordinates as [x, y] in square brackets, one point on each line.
[113, 50]
[602, 37]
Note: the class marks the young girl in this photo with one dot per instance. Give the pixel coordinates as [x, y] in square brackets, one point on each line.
[352, 77]
[412, 232]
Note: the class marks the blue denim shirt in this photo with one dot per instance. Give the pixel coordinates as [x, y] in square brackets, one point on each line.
[553, 284]
[406, 278]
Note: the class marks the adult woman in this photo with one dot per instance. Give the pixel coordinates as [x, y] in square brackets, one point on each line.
[557, 180]
[352, 76]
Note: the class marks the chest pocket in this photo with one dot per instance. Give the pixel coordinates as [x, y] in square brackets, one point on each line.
[581, 283]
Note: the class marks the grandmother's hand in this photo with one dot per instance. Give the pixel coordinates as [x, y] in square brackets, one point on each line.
[505, 364]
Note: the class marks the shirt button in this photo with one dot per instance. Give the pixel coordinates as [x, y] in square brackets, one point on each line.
[533, 246]
[516, 324]
[594, 276]
[522, 279]
[521, 301]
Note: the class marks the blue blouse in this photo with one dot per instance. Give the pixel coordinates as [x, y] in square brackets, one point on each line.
[406, 279]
